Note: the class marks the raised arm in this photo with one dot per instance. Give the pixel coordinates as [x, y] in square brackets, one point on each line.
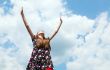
[56, 30]
[26, 24]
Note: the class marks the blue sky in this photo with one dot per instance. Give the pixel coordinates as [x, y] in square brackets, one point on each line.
[82, 39]
[6, 5]
[89, 8]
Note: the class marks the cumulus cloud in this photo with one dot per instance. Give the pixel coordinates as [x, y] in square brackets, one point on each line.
[12, 30]
[82, 43]
[94, 53]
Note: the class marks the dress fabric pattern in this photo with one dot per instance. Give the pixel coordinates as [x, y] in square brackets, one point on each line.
[40, 59]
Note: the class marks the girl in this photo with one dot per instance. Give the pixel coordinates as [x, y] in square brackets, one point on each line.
[40, 57]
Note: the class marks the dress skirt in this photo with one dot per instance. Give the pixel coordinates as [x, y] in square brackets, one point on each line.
[40, 59]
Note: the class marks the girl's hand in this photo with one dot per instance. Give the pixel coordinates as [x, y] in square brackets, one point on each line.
[22, 11]
[61, 20]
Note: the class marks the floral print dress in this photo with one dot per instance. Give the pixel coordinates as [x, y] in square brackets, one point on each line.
[40, 58]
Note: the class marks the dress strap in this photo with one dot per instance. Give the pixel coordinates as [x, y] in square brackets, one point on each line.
[34, 41]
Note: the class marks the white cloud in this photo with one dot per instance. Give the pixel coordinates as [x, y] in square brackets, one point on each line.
[13, 27]
[78, 44]
[94, 54]
[1, 10]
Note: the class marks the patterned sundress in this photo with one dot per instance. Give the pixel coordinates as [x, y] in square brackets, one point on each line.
[40, 58]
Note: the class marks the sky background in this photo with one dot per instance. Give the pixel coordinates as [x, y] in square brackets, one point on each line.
[82, 43]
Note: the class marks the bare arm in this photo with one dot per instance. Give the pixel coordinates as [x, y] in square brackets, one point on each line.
[26, 24]
[56, 30]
